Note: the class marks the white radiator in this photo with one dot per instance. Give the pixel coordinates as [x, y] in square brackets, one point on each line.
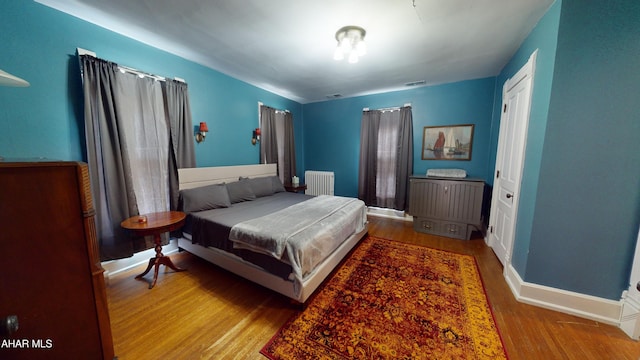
[319, 182]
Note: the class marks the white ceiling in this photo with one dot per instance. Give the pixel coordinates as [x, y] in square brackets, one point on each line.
[286, 46]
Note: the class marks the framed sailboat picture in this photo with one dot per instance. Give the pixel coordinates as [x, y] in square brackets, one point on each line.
[447, 142]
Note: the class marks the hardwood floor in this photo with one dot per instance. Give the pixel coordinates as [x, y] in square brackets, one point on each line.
[208, 313]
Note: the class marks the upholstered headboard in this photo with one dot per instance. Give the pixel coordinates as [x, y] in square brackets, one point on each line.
[196, 177]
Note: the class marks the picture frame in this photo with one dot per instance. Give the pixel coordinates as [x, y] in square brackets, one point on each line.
[450, 142]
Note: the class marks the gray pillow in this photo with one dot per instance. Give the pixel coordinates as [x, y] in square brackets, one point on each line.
[205, 198]
[276, 183]
[240, 191]
[261, 186]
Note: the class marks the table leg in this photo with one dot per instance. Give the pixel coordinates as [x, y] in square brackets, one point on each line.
[151, 262]
[159, 259]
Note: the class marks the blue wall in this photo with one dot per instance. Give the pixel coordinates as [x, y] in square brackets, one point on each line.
[46, 119]
[543, 39]
[580, 198]
[579, 208]
[587, 212]
[332, 128]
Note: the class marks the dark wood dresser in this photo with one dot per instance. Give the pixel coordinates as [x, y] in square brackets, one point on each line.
[50, 273]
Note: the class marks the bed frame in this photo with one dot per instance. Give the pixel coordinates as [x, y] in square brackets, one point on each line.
[196, 177]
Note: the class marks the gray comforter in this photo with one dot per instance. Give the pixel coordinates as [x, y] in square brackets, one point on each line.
[308, 232]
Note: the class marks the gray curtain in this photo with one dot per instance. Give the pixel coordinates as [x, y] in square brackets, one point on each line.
[114, 105]
[405, 157]
[110, 173]
[368, 157]
[373, 184]
[268, 140]
[181, 140]
[289, 166]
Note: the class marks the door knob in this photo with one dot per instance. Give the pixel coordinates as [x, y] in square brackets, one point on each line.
[509, 196]
[9, 325]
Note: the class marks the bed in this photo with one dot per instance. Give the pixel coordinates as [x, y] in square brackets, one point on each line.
[286, 242]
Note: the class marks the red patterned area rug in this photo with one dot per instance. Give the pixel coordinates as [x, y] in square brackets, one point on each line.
[392, 300]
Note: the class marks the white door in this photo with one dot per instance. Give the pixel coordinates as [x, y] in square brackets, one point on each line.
[516, 101]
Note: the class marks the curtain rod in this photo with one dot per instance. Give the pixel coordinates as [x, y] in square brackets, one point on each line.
[130, 70]
[126, 69]
[388, 108]
[260, 103]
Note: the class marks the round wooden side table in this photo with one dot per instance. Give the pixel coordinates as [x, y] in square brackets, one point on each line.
[155, 224]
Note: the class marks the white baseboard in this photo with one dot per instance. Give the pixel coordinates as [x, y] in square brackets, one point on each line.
[581, 305]
[113, 267]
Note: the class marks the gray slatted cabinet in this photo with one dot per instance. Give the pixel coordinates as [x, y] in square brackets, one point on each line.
[447, 207]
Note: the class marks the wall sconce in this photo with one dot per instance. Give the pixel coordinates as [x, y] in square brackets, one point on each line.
[256, 136]
[200, 135]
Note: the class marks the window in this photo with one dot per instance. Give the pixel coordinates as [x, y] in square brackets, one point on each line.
[386, 157]
[277, 144]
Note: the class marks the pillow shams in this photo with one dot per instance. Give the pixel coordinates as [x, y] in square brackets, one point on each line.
[264, 186]
[277, 184]
[205, 198]
[240, 191]
[261, 186]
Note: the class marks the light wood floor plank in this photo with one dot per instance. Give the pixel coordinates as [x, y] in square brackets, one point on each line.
[208, 313]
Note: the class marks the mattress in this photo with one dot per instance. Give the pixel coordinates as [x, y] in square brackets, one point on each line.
[311, 228]
[211, 228]
[303, 234]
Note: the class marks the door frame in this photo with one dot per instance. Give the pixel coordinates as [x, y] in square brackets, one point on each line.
[630, 313]
[527, 70]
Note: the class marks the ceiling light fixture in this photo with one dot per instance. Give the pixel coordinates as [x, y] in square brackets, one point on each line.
[350, 43]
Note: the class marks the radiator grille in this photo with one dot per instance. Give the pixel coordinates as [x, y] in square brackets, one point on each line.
[319, 182]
